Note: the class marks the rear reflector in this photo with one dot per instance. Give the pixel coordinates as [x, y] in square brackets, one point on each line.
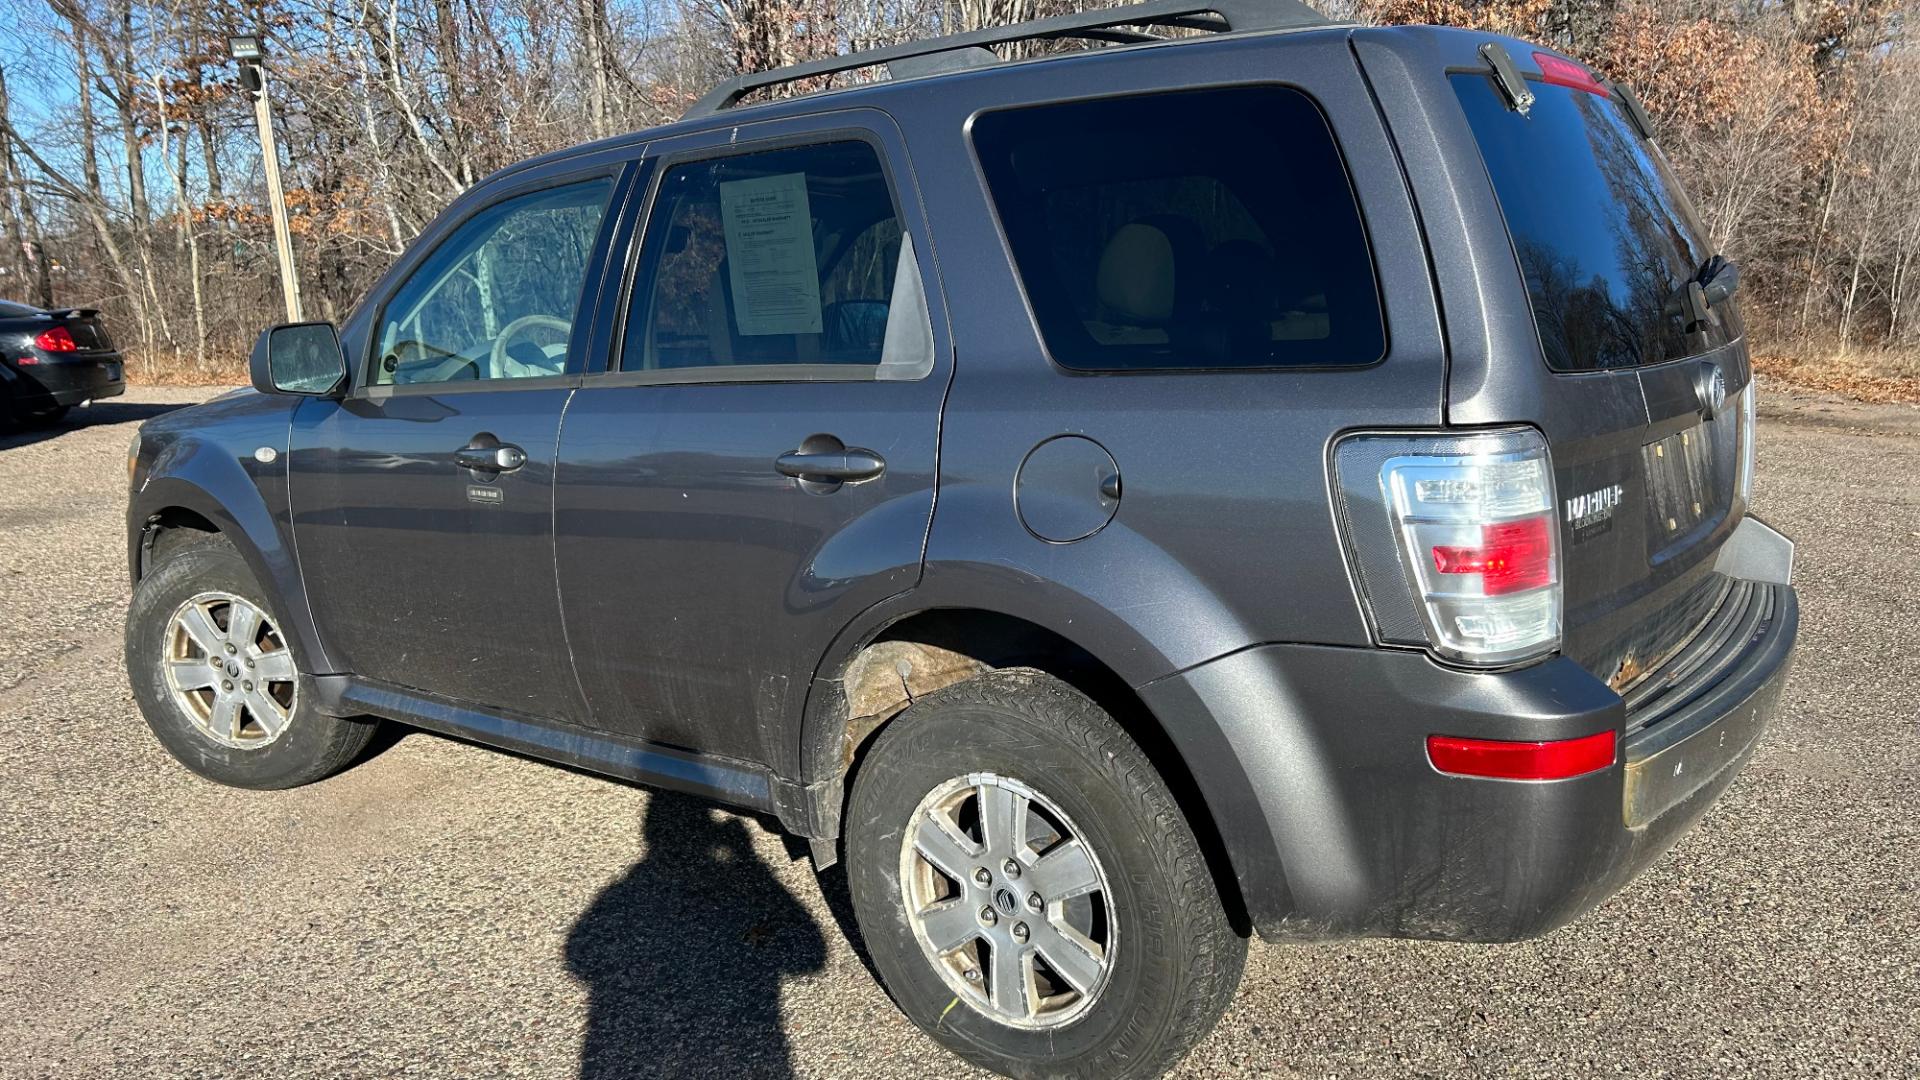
[56, 340]
[1563, 72]
[1502, 760]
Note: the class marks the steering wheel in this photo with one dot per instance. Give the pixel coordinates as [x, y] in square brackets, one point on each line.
[500, 359]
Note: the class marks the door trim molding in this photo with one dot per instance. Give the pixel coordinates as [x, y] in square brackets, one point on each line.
[723, 780]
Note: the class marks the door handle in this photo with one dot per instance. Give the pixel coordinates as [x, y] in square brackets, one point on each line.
[847, 466]
[493, 459]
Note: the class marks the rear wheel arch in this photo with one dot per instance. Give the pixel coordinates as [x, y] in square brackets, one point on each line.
[918, 653]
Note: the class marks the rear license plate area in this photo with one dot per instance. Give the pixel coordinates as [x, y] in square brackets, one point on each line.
[1684, 483]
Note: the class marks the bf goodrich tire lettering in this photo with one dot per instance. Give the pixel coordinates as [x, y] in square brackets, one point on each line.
[1175, 960]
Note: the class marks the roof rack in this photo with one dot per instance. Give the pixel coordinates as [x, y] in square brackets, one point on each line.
[954, 52]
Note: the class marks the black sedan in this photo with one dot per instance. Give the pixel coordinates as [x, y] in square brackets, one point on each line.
[51, 361]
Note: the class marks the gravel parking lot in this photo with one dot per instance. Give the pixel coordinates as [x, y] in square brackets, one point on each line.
[443, 910]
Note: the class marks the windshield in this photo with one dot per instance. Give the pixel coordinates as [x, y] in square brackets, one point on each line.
[1603, 232]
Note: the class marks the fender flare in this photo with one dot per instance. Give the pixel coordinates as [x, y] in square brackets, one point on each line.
[234, 498]
[822, 722]
[812, 805]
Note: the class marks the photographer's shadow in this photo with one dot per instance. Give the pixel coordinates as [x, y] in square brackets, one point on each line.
[683, 956]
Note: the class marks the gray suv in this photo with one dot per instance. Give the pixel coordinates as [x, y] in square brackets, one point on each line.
[1284, 478]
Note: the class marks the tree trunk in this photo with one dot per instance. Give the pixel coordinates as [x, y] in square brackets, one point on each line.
[177, 167]
[18, 262]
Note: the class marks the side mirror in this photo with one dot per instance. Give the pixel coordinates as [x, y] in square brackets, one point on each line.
[299, 358]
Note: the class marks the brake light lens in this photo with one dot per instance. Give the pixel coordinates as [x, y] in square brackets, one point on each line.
[56, 340]
[1560, 71]
[1469, 520]
[1512, 556]
[1497, 759]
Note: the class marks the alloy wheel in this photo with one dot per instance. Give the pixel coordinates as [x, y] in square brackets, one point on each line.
[1008, 901]
[229, 670]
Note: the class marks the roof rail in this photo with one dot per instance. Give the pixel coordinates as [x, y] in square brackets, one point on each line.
[953, 52]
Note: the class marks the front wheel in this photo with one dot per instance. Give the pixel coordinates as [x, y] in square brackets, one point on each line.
[218, 680]
[1028, 888]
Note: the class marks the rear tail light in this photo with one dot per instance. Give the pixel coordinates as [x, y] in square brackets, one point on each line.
[1455, 541]
[1749, 420]
[56, 340]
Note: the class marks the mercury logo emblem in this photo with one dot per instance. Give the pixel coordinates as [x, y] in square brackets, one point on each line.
[1711, 386]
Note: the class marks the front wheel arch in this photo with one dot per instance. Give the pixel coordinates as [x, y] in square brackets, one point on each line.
[176, 507]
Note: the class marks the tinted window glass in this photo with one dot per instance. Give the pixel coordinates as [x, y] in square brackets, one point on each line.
[496, 299]
[1198, 229]
[1604, 234]
[784, 257]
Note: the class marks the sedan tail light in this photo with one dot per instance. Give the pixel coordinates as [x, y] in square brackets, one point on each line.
[56, 340]
[1455, 541]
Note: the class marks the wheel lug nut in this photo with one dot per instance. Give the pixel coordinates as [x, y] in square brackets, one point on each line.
[1034, 902]
[248, 687]
[230, 649]
[226, 686]
[249, 663]
[1020, 931]
[981, 877]
[988, 916]
[1011, 868]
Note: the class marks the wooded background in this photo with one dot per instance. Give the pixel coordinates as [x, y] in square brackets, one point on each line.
[129, 160]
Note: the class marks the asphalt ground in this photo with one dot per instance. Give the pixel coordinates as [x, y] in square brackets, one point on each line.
[443, 910]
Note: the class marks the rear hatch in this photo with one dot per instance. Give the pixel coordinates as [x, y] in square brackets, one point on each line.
[1642, 370]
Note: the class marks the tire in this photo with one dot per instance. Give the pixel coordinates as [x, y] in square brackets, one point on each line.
[297, 746]
[50, 417]
[1172, 961]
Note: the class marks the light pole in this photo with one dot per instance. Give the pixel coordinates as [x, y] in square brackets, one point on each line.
[251, 54]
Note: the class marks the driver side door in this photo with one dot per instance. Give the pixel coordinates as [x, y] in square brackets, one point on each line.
[422, 502]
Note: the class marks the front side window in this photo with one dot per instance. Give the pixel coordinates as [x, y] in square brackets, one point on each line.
[770, 262]
[1193, 229]
[496, 300]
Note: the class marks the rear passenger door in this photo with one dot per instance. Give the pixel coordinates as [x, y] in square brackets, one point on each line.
[756, 464]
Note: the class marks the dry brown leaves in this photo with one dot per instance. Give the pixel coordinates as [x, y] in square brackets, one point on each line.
[1875, 380]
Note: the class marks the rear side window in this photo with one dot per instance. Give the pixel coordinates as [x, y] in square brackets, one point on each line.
[1603, 232]
[1197, 229]
[783, 263]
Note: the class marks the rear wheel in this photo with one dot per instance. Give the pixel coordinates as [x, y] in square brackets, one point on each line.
[218, 680]
[1028, 888]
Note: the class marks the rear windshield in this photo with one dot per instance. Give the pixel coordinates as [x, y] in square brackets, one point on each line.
[1194, 229]
[1604, 234]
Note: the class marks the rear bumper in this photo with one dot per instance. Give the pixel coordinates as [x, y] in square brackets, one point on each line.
[1312, 761]
[69, 382]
